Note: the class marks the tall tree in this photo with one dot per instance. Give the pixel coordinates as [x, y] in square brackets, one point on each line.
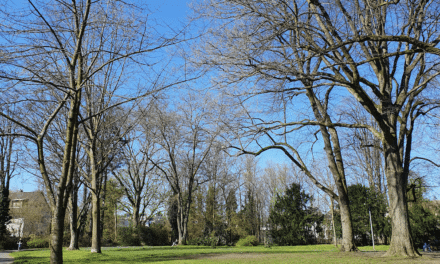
[186, 138]
[138, 176]
[51, 50]
[244, 53]
[356, 49]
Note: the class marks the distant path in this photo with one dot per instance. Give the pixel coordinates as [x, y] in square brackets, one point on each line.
[5, 258]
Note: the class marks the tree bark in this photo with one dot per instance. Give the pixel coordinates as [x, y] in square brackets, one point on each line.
[401, 240]
[56, 235]
[59, 201]
[96, 238]
[96, 212]
[333, 222]
[73, 202]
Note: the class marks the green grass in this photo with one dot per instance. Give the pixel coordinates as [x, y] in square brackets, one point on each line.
[200, 254]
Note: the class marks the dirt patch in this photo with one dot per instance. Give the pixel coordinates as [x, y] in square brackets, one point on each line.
[233, 256]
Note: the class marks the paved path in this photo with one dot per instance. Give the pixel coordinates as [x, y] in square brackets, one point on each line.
[5, 258]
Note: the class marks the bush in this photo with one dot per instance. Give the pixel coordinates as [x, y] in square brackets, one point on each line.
[247, 241]
[155, 235]
[8, 242]
[195, 241]
[38, 242]
[129, 236]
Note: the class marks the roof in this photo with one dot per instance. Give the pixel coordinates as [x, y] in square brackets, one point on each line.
[26, 195]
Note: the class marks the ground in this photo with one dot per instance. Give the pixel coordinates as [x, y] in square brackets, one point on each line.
[198, 254]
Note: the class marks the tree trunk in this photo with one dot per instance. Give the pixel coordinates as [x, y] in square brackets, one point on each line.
[96, 238]
[333, 222]
[95, 191]
[334, 156]
[59, 201]
[73, 201]
[401, 240]
[56, 234]
[347, 243]
[182, 221]
[135, 217]
[4, 208]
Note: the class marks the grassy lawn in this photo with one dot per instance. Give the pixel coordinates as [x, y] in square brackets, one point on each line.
[198, 254]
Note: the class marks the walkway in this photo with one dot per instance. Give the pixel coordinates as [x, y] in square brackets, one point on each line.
[5, 258]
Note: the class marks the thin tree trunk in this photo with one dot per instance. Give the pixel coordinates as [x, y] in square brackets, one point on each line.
[73, 201]
[116, 222]
[96, 203]
[334, 156]
[333, 222]
[96, 238]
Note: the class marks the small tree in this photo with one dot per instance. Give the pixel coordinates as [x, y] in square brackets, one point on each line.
[294, 221]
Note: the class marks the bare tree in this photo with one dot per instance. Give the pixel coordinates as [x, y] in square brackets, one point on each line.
[354, 47]
[138, 177]
[50, 51]
[247, 56]
[364, 151]
[186, 137]
[8, 165]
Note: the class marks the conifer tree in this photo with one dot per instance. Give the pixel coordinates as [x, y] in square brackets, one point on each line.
[294, 221]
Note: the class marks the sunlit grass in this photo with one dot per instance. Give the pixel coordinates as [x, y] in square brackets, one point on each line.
[200, 254]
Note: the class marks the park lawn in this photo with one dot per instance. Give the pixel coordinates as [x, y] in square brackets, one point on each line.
[200, 254]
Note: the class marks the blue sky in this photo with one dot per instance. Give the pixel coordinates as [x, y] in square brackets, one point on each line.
[171, 12]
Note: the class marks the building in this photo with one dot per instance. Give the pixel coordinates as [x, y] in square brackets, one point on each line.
[30, 214]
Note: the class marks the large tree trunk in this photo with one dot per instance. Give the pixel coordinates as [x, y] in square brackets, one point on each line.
[347, 243]
[135, 217]
[56, 234]
[401, 240]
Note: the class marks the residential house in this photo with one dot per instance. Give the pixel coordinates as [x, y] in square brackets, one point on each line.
[30, 214]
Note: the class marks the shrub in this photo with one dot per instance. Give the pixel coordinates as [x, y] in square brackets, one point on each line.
[129, 236]
[205, 241]
[195, 241]
[38, 242]
[8, 242]
[155, 235]
[247, 241]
